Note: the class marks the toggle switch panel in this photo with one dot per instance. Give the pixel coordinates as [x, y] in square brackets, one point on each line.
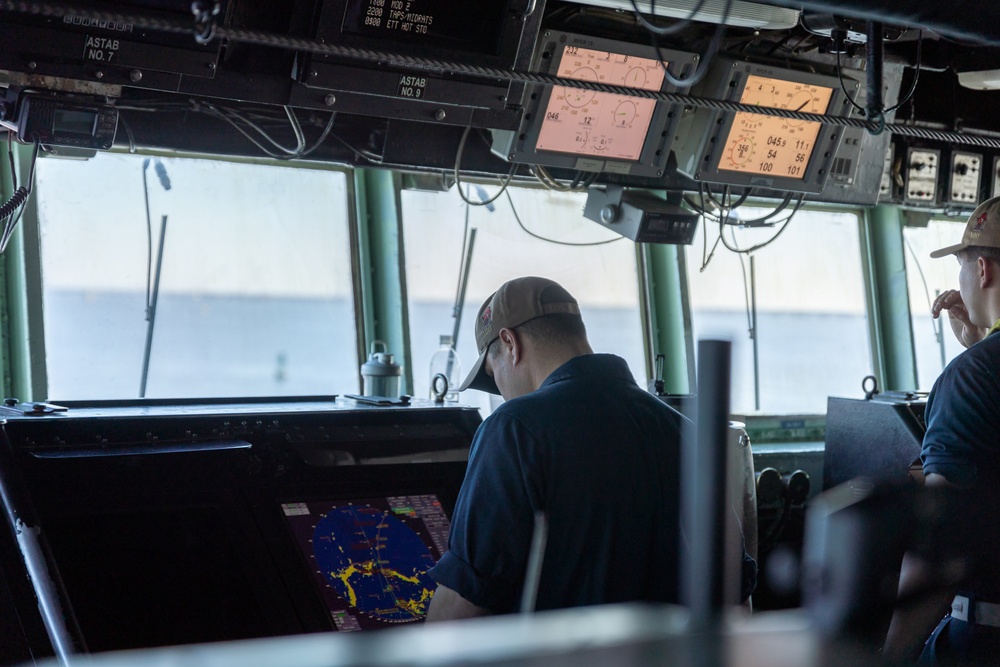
[966, 175]
[922, 167]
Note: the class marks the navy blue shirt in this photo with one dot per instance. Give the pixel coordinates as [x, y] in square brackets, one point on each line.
[962, 443]
[601, 458]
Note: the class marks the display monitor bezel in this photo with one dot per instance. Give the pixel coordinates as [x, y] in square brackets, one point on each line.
[522, 146]
[705, 164]
[501, 50]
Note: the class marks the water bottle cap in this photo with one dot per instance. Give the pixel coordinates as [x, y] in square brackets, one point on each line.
[380, 363]
[446, 340]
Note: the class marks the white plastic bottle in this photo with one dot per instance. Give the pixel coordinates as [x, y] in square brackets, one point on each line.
[445, 362]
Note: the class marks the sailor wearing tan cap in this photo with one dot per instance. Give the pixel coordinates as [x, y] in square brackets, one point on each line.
[576, 439]
[961, 447]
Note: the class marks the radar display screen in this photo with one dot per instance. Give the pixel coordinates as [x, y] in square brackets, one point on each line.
[370, 556]
[587, 122]
[770, 145]
[442, 24]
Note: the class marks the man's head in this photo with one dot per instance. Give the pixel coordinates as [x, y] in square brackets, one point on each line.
[978, 255]
[523, 328]
[981, 230]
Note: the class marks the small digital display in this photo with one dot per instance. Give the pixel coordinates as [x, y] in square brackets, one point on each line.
[593, 123]
[770, 145]
[66, 121]
[369, 557]
[473, 27]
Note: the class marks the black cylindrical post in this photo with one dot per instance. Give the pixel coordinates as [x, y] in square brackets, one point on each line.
[874, 51]
[709, 568]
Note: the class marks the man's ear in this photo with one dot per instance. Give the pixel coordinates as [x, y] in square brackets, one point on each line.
[987, 272]
[514, 343]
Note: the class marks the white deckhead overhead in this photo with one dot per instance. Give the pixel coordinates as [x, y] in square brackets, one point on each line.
[743, 14]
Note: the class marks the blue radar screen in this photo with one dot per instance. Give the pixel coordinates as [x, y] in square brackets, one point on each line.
[370, 556]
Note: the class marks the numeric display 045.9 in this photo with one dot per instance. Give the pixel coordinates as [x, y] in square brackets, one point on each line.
[771, 145]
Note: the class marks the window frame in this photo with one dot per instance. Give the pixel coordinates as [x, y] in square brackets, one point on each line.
[26, 364]
[665, 306]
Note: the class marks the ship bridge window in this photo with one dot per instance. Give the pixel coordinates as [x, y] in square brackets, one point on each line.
[934, 344]
[530, 232]
[811, 329]
[253, 292]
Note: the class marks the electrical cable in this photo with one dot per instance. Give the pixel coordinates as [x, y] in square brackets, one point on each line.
[665, 30]
[322, 136]
[15, 201]
[704, 62]
[234, 118]
[231, 116]
[553, 241]
[300, 138]
[909, 94]
[706, 190]
[704, 232]
[939, 327]
[10, 160]
[546, 179]
[916, 75]
[128, 133]
[746, 286]
[374, 158]
[843, 87]
[763, 220]
[741, 199]
[12, 210]
[581, 180]
[458, 175]
[217, 112]
[695, 206]
[706, 260]
[784, 225]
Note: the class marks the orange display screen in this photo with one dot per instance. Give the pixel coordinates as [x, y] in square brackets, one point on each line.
[770, 145]
[587, 122]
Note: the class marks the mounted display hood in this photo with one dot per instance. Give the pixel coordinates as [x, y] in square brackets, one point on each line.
[976, 20]
[743, 14]
[981, 80]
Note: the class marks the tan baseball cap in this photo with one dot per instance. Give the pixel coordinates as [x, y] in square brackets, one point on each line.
[982, 229]
[516, 302]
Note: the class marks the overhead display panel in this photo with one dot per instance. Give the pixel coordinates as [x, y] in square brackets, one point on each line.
[587, 122]
[590, 130]
[439, 24]
[486, 34]
[410, 33]
[759, 150]
[115, 52]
